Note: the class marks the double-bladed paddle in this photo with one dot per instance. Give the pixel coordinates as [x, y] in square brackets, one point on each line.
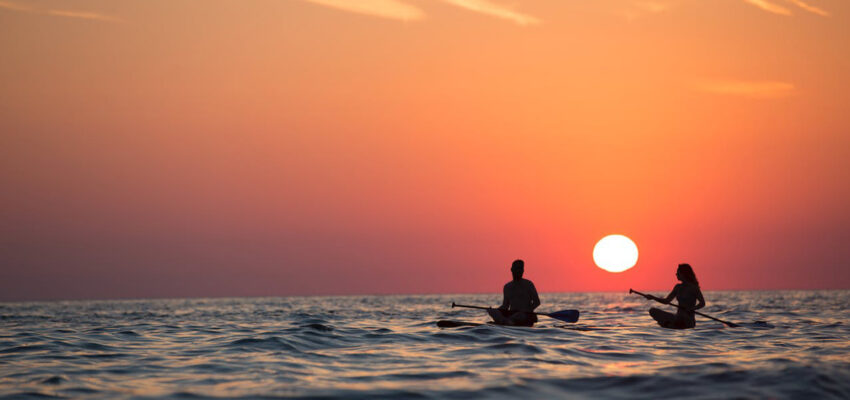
[648, 297]
[563, 315]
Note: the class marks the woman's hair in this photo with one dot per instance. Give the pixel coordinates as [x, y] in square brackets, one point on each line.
[686, 273]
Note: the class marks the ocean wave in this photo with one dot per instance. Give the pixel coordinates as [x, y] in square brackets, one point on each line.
[270, 343]
[390, 347]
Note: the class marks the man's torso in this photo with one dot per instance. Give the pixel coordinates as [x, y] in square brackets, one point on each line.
[519, 295]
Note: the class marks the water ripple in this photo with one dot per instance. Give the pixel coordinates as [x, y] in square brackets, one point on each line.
[790, 345]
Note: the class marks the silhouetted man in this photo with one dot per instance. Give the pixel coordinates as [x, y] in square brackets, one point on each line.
[520, 300]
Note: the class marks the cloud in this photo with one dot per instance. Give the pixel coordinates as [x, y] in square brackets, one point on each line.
[770, 7]
[653, 6]
[489, 8]
[397, 9]
[59, 13]
[392, 9]
[83, 15]
[15, 7]
[640, 8]
[758, 89]
[810, 8]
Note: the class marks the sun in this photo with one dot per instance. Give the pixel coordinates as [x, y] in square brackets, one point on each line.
[615, 253]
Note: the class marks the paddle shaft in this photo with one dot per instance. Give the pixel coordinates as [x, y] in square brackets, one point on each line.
[731, 325]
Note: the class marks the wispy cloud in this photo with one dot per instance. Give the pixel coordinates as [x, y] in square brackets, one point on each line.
[392, 9]
[59, 13]
[653, 6]
[487, 7]
[810, 8]
[398, 9]
[15, 7]
[770, 7]
[83, 15]
[758, 89]
[639, 8]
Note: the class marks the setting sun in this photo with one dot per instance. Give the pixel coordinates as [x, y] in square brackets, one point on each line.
[615, 253]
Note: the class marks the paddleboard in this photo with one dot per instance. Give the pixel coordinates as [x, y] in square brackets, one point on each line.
[444, 323]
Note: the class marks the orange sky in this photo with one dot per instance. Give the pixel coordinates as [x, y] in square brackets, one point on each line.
[296, 147]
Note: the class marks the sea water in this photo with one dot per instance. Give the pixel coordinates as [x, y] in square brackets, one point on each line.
[792, 344]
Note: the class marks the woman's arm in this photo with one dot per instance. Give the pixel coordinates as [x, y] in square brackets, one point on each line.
[700, 300]
[669, 297]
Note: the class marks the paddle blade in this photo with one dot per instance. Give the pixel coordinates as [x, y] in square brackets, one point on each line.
[565, 315]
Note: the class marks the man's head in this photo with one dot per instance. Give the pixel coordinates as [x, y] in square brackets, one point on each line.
[517, 268]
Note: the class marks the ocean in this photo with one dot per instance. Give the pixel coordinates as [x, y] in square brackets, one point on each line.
[791, 344]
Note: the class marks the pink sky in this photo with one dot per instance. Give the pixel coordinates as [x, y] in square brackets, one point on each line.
[305, 147]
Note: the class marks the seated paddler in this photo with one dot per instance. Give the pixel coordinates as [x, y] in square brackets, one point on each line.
[519, 301]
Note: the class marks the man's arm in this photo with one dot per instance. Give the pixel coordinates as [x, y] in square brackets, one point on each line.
[535, 299]
[505, 303]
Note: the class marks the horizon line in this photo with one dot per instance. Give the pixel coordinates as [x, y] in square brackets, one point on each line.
[57, 300]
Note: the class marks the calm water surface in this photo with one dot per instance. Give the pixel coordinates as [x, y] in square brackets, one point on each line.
[793, 344]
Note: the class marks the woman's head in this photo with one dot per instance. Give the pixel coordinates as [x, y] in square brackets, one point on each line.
[686, 274]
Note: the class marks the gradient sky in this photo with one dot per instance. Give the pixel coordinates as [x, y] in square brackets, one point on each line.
[300, 147]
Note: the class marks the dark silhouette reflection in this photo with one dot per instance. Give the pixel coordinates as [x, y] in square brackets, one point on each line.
[519, 301]
[687, 294]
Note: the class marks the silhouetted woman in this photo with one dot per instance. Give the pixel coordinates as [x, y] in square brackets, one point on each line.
[687, 294]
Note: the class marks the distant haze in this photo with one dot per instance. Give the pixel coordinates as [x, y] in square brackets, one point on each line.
[262, 148]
